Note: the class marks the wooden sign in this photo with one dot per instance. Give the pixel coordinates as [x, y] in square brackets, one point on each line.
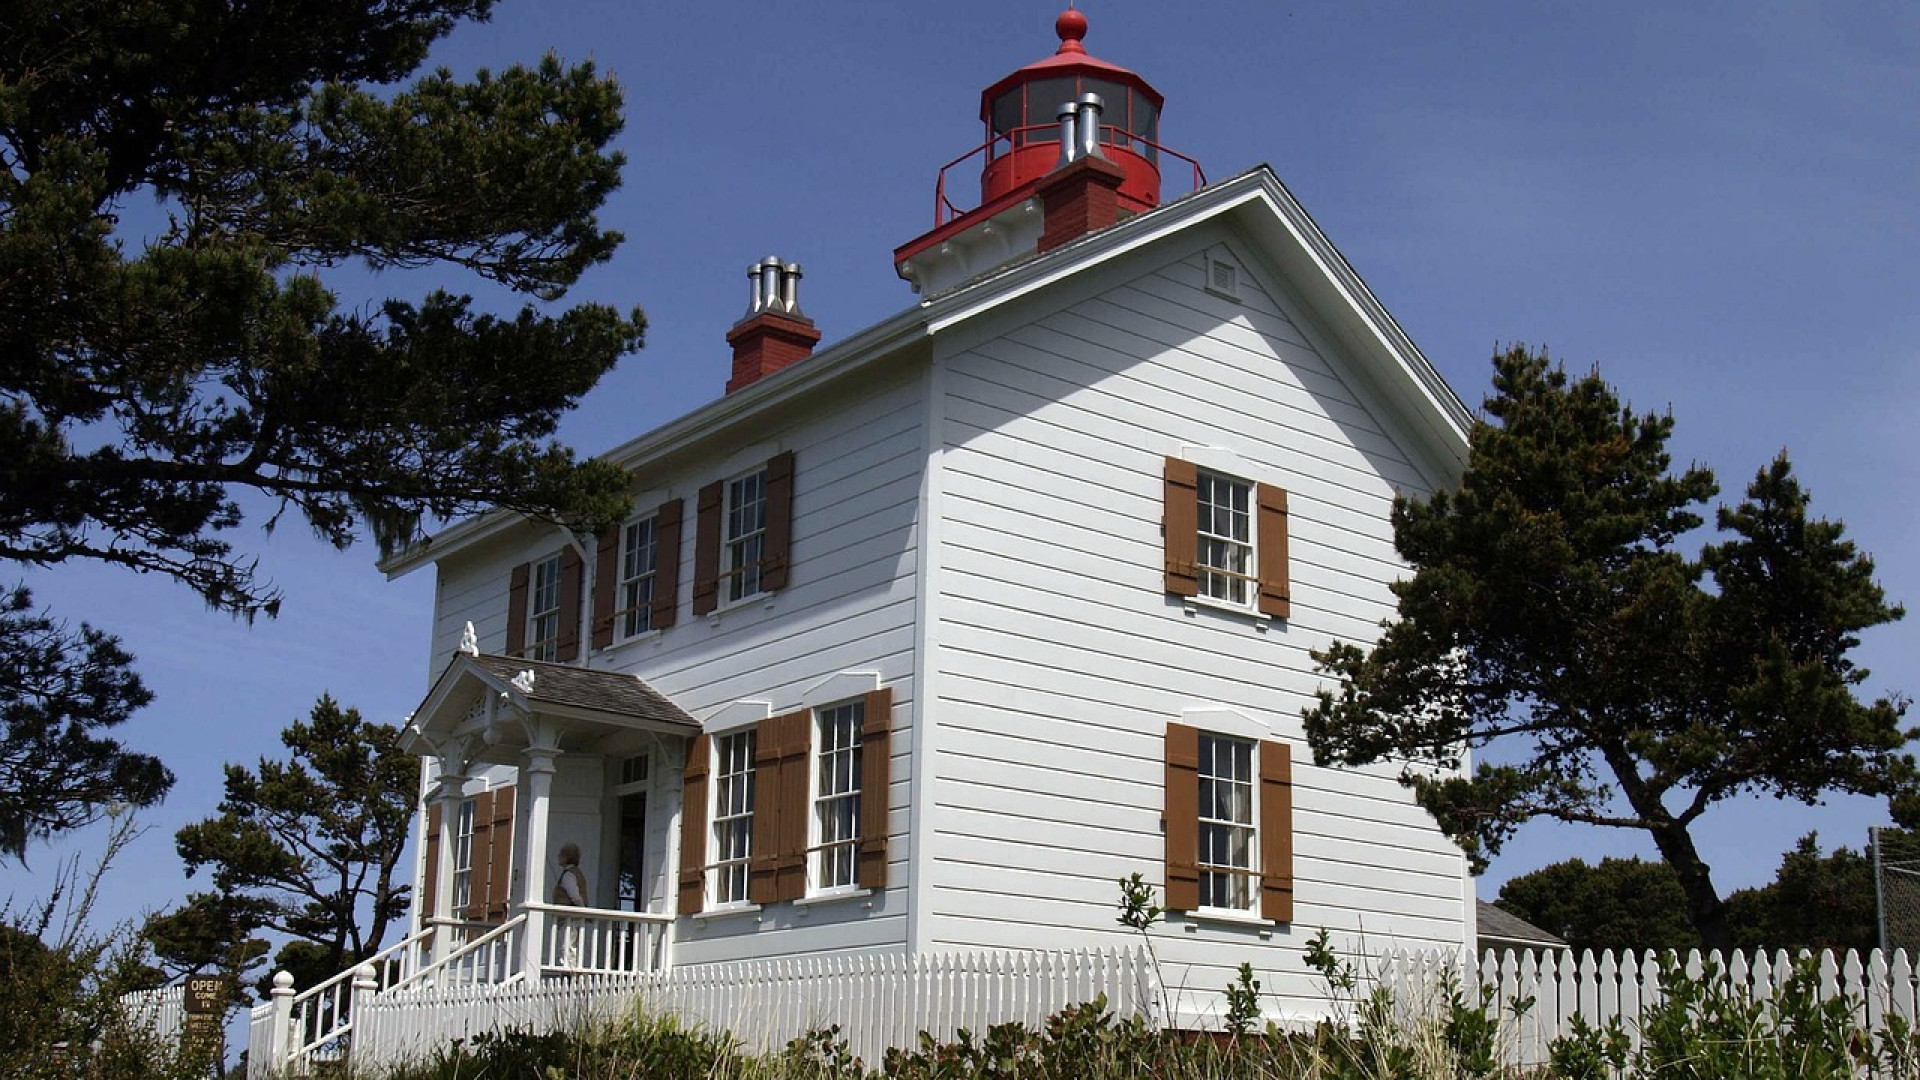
[206, 995]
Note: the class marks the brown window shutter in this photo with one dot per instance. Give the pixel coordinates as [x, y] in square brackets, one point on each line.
[876, 753]
[1275, 592]
[478, 852]
[767, 844]
[567, 648]
[1183, 817]
[500, 856]
[693, 825]
[606, 575]
[430, 888]
[706, 550]
[777, 557]
[795, 797]
[1181, 523]
[1276, 832]
[517, 609]
[666, 578]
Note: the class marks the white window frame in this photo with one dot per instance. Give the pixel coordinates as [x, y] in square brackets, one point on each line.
[543, 609]
[1215, 548]
[462, 840]
[1218, 878]
[729, 878]
[836, 782]
[633, 615]
[743, 535]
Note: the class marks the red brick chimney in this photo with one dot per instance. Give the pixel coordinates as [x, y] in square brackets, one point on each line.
[1079, 199]
[774, 333]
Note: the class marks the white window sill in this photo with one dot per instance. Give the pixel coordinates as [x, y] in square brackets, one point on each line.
[833, 897]
[1228, 917]
[1193, 604]
[653, 636]
[729, 911]
[767, 598]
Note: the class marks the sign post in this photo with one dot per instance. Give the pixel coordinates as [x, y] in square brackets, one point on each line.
[206, 1008]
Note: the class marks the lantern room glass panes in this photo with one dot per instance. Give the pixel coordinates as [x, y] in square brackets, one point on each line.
[1035, 107]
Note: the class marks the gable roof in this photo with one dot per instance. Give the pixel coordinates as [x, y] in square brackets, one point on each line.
[462, 702]
[1501, 928]
[1255, 203]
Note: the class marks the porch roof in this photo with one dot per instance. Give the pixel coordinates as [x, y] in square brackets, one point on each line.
[478, 695]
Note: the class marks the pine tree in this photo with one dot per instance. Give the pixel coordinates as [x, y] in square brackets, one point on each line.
[180, 176]
[308, 849]
[1552, 612]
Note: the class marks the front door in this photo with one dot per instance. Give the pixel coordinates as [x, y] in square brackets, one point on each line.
[632, 894]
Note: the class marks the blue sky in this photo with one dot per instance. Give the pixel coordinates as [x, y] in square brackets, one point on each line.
[1713, 202]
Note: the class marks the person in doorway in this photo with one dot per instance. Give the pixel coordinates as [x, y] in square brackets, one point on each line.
[570, 890]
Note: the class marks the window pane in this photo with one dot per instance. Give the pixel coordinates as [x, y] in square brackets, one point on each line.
[1227, 838]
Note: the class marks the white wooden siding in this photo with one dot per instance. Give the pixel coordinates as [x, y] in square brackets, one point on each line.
[849, 606]
[1059, 659]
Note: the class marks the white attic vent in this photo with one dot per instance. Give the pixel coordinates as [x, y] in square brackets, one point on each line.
[1223, 276]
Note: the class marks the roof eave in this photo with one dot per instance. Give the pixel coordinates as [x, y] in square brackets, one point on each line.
[1333, 286]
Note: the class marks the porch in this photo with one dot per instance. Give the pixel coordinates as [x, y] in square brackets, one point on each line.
[523, 762]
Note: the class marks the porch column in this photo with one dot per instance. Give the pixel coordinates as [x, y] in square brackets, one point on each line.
[447, 794]
[538, 771]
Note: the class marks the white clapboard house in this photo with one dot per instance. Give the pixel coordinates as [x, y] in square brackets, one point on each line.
[919, 641]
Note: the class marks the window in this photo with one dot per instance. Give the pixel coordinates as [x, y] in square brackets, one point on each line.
[746, 534]
[463, 859]
[743, 535]
[543, 611]
[543, 607]
[834, 850]
[1229, 823]
[640, 553]
[636, 576]
[792, 806]
[1226, 823]
[1226, 540]
[733, 792]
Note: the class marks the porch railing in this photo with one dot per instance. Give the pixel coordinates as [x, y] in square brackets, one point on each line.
[491, 958]
[316, 1022]
[600, 942]
[293, 1031]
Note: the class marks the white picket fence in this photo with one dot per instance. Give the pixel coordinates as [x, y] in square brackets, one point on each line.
[879, 1000]
[1625, 986]
[161, 1012]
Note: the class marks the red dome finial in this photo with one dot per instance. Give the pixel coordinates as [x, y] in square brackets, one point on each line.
[1071, 26]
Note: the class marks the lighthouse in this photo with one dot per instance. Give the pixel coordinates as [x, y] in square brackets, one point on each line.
[1071, 145]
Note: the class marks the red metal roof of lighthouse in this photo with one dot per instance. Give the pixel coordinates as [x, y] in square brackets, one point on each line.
[1071, 58]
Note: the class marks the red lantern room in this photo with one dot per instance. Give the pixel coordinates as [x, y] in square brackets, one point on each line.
[1022, 114]
[1072, 147]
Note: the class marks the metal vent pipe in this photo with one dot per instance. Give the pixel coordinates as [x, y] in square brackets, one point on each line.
[790, 289]
[773, 286]
[1069, 142]
[1087, 126]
